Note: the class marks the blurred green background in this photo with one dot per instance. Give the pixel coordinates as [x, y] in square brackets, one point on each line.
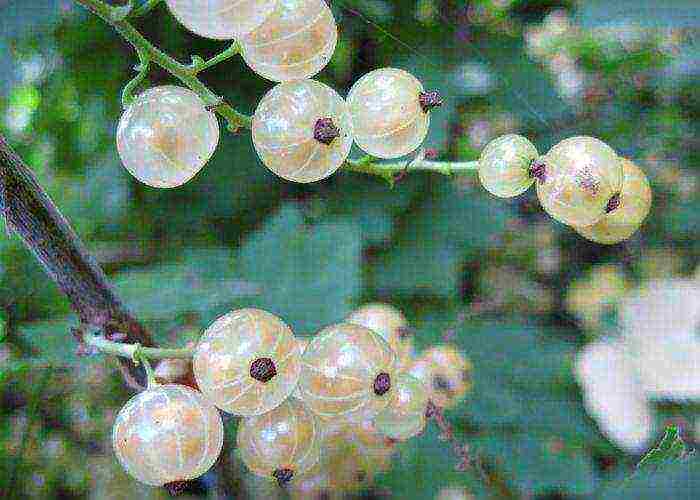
[627, 72]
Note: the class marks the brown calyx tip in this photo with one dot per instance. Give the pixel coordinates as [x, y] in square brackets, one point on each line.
[175, 488]
[283, 476]
[263, 369]
[538, 170]
[382, 384]
[613, 203]
[429, 100]
[325, 131]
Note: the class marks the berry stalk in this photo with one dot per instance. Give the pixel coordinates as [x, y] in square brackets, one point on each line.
[187, 74]
[134, 351]
[390, 172]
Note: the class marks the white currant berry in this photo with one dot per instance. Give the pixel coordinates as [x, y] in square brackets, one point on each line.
[625, 211]
[282, 443]
[391, 324]
[390, 112]
[446, 374]
[504, 166]
[247, 362]
[347, 369]
[167, 433]
[166, 136]
[576, 179]
[302, 131]
[296, 41]
[405, 415]
[221, 19]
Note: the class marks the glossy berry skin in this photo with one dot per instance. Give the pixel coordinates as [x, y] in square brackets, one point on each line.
[627, 216]
[388, 120]
[446, 374]
[221, 19]
[405, 415]
[346, 370]
[295, 42]
[287, 438]
[390, 324]
[166, 136]
[230, 351]
[580, 175]
[504, 166]
[284, 127]
[167, 433]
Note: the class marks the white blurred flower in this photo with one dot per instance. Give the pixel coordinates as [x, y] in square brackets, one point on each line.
[613, 396]
[474, 78]
[454, 493]
[660, 325]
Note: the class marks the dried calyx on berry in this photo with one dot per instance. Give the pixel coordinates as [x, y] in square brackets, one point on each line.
[382, 384]
[538, 170]
[283, 476]
[263, 369]
[429, 100]
[325, 131]
[176, 488]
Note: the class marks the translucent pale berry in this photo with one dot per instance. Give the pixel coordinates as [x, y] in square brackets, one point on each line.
[576, 179]
[626, 212]
[247, 362]
[350, 457]
[504, 166]
[282, 443]
[390, 112]
[347, 369]
[296, 41]
[302, 343]
[391, 324]
[166, 136]
[302, 131]
[221, 19]
[405, 415]
[446, 374]
[167, 433]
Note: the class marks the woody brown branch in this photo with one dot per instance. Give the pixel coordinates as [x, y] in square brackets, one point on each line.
[31, 214]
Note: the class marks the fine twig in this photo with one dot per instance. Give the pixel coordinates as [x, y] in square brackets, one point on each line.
[391, 171]
[29, 212]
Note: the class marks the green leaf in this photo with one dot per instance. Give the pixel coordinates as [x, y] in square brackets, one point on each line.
[671, 449]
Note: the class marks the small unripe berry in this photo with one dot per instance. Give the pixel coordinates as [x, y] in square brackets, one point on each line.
[221, 19]
[282, 443]
[347, 369]
[296, 41]
[166, 136]
[302, 131]
[390, 112]
[576, 179]
[504, 166]
[405, 415]
[390, 324]
[446, 374]
[247, 362]
[167, 433]
[628, 211]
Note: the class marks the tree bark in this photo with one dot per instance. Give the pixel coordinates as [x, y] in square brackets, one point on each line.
[30, 213]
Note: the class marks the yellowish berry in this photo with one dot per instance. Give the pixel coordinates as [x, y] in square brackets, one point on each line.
[446, 374]
[576, 179]
[504, 165]
[405, 415]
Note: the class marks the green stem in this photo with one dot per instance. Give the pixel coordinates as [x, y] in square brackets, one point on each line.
[198, 64]
[389, 171]
[186, 74]
[144, 9]
[134, 351]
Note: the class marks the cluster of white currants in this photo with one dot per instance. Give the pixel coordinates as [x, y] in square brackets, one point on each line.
[302, 129]
[296, 396]
[581, 182]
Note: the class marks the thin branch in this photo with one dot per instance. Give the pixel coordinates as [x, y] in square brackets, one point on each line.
[185, 73]
[390, 171]
[134, 351]
[29, 212]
